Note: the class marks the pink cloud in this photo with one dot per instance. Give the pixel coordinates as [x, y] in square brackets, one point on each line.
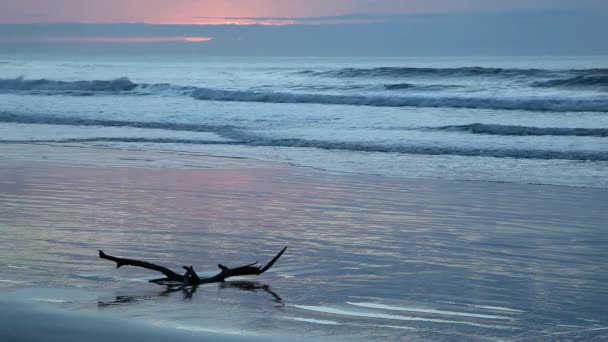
[107, 39]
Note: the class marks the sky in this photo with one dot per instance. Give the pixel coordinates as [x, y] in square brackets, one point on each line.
[202, 11]
[309, 27]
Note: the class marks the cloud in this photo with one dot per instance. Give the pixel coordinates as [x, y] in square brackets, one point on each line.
[508, 33]
[104, 39]
[358, 18]
[297, 11]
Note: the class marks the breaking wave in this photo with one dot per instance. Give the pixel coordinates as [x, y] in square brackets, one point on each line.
[79, 121]
[493, 129]
[118, 86]
[123, 86]
[432, 150]
[238, 136]
[354, 146]
[370, 86]
[590, 81]
[532, 104]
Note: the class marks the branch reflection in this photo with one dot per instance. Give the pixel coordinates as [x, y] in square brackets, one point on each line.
[189, 291]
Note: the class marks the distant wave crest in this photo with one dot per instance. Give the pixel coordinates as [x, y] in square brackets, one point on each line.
[21, 84]
[411, 71]
[122, 86]
[494, 129]
[444, 72]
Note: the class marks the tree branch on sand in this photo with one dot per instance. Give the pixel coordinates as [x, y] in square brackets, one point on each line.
[190, 278]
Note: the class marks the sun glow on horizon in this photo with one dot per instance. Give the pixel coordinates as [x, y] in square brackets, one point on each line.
[196, 39]
[276, 21]
[251, 12]
[183, 12]
[238, 22]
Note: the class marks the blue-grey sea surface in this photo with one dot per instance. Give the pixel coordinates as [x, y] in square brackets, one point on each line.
[539, 120]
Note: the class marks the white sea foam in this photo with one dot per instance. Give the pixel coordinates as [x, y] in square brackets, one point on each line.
[51, 300]
[428, 311]
[395, 327]
[312, 320]
[165, 324]
[497, 308]
[337, 311]
[17, 267]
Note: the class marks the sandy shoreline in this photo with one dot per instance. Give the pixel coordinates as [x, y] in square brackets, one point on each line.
[370, 258]
[26, 321]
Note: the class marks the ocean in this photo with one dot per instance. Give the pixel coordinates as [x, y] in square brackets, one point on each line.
[421, 199]
[537, 120]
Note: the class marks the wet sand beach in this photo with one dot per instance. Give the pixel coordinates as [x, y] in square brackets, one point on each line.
[369, 257]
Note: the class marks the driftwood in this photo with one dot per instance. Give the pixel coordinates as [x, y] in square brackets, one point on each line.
[190, 278]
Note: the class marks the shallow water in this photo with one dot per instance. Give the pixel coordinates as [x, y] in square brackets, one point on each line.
[369, 258]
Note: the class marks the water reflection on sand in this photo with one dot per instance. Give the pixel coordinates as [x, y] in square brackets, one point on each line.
[368, 258]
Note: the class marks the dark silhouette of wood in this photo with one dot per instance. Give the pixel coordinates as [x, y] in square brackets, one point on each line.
[189, 291]
[190, 278]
